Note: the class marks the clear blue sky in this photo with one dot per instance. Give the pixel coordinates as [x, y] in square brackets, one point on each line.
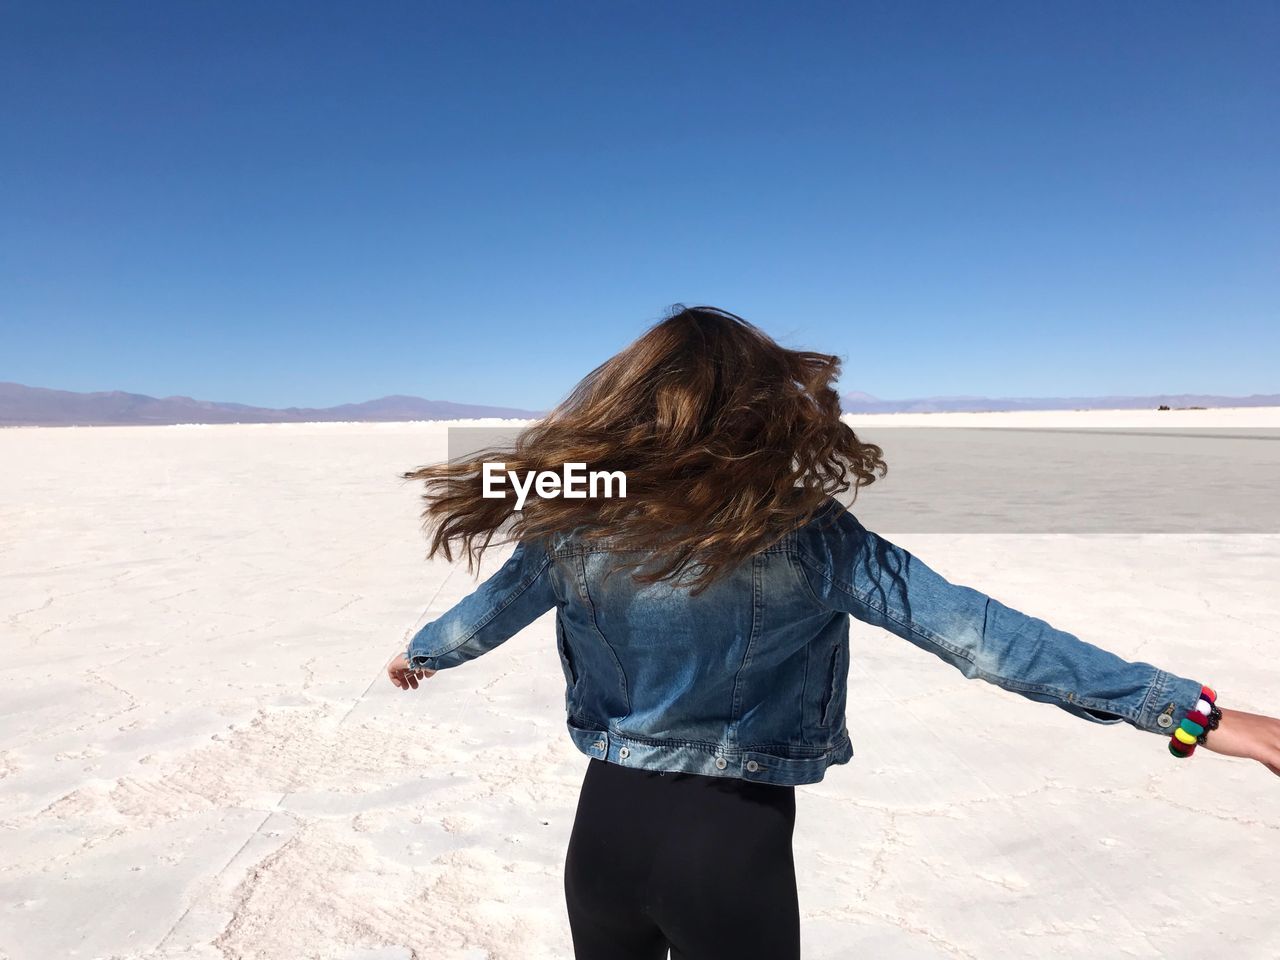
[318, 203]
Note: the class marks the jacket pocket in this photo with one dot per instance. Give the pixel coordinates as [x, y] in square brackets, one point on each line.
[566, 658]
[835, 686]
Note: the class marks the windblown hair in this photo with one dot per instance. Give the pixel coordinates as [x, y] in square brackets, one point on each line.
[727, 440]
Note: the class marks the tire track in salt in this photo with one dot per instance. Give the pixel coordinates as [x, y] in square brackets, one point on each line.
[278, 806]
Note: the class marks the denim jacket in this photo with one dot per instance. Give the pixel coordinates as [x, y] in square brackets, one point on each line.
[749, 679]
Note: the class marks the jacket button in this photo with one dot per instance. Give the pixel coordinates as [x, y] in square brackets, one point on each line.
[752, 766]
[721, 763]
[599, 744]
[1164, 720]
[624, 752]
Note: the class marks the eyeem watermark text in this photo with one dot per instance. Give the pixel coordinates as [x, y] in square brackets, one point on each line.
[574, 482]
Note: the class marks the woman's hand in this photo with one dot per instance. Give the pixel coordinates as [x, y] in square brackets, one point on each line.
[406, 678]
[1249, 735]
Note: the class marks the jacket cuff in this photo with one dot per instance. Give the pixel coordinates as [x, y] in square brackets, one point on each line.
[1168, 702]
[418, 661]
[421, 662]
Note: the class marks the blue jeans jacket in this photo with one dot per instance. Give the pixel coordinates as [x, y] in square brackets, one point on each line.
[749, 679]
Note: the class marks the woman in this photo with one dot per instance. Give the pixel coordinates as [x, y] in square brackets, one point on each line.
[702, 623]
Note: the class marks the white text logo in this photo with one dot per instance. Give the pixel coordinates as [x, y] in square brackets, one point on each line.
[573, 482]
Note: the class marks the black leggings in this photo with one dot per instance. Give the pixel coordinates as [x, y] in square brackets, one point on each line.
[698, 865]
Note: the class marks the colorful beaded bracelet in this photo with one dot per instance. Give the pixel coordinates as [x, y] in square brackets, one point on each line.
[1196, 725]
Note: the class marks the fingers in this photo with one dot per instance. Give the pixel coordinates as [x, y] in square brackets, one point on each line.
[405, 677]
[408, 679]
[398, 675]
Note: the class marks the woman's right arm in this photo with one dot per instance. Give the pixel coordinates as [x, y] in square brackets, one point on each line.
[853, 570]
[1250, 735]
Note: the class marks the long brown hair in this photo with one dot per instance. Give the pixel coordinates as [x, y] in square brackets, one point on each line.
[727, 440]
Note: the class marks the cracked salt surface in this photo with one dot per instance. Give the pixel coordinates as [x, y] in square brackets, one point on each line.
[199, 758]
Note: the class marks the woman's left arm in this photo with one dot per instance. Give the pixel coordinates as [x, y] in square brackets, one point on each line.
[517, 594]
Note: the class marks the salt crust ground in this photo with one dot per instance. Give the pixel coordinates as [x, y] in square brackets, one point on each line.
[200, 758]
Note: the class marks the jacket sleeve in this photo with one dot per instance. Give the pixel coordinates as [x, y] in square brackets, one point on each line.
[511, 599]
[854, 570]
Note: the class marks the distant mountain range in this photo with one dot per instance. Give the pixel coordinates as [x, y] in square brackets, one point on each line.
[37, 406]
[865, 403]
